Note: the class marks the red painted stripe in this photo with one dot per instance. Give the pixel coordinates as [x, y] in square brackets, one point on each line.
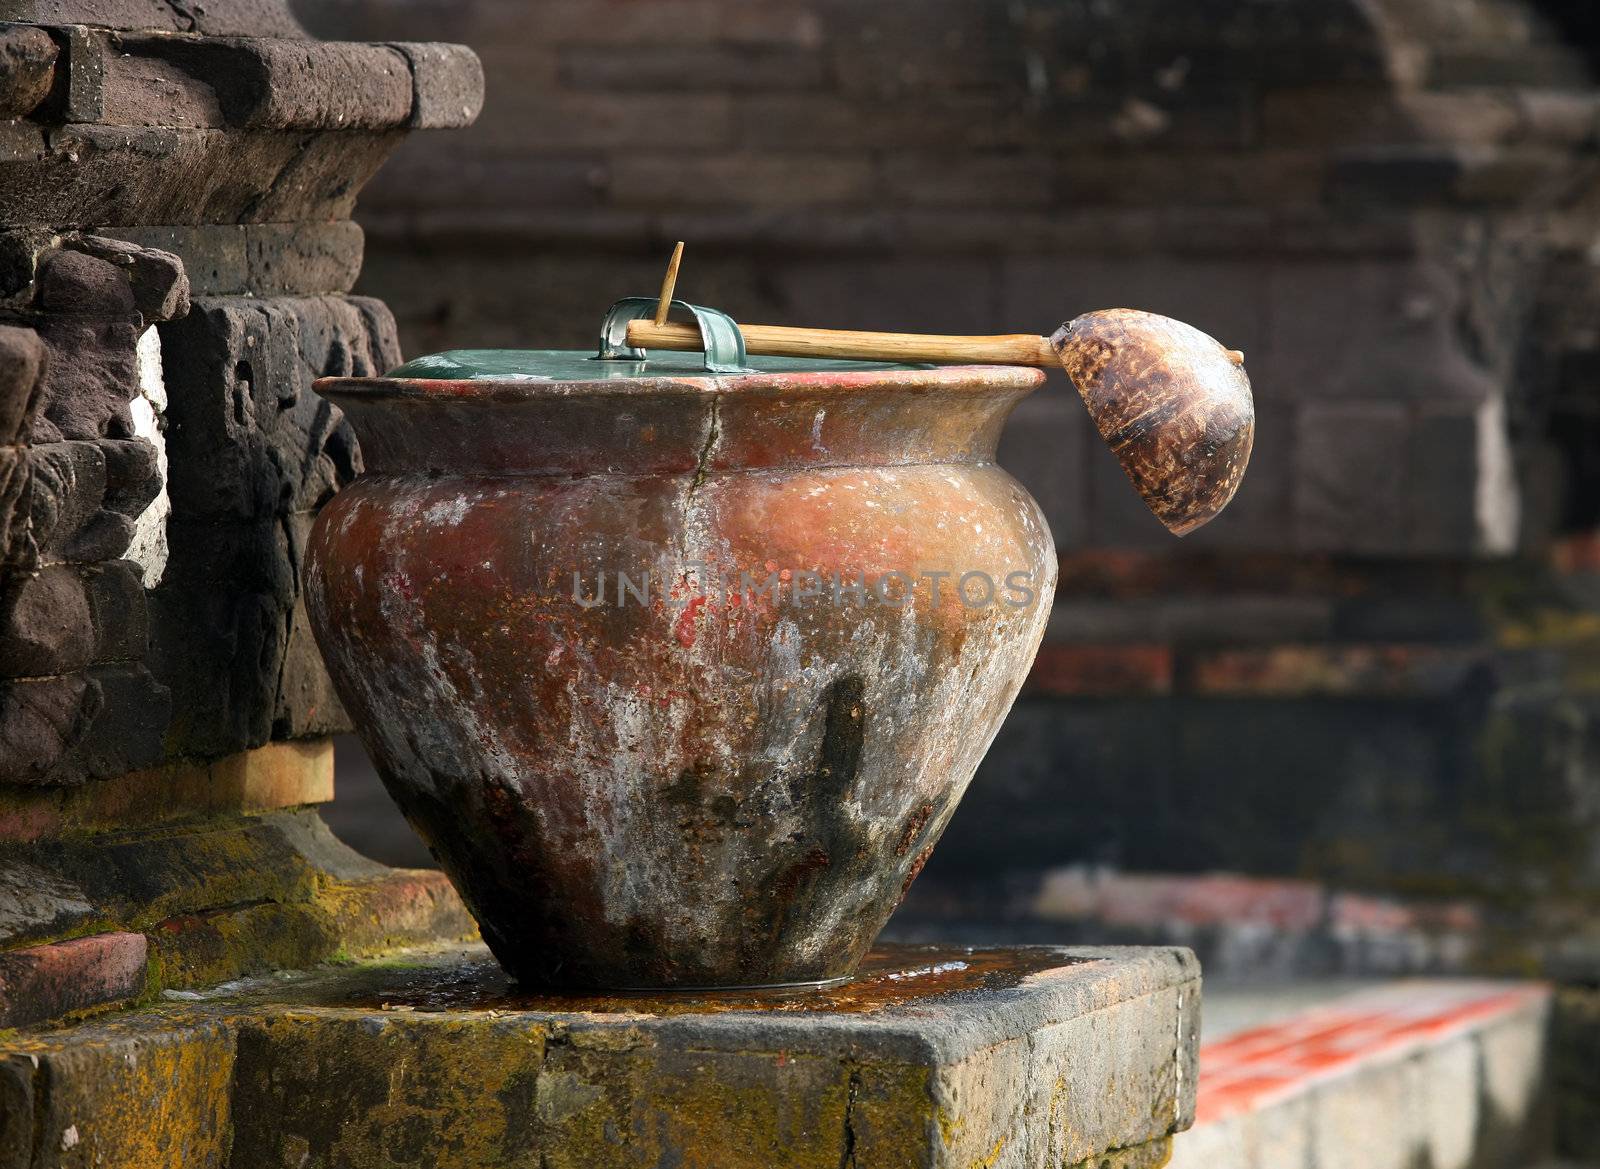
[1248, 1070]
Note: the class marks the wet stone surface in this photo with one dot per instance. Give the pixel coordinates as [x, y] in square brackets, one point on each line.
[891, 976]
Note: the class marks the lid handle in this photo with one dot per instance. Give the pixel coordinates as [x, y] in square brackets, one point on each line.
[724, 343]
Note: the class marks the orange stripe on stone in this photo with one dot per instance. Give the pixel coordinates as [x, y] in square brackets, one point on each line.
[1245, 1071]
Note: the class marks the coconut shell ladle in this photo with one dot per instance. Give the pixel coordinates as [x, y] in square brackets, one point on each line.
[1173, 404]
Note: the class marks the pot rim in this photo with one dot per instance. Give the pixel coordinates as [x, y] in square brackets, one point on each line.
[957, 379]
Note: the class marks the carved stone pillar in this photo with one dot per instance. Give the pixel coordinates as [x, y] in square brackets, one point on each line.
[176, 257]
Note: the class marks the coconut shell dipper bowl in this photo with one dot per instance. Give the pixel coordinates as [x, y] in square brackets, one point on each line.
[680, 663]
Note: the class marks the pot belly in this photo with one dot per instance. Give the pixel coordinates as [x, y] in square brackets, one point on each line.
[663, 731]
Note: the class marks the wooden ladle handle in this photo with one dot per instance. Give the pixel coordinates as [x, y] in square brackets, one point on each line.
[780, 341]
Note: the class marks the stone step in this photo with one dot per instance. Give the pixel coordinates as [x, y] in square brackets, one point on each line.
[113, 898]
[1446, 1073]
[934, 1057]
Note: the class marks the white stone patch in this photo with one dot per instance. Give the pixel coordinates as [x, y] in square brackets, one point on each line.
[450, 511]
[149, 546]
[1497, 503]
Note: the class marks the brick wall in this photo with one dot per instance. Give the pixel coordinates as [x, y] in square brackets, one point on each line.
[1364, 201]
[1357, 671]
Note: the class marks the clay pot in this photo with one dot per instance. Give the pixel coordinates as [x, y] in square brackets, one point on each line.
[711, 786]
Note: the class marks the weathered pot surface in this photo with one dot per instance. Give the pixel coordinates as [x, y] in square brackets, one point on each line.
[725, 768]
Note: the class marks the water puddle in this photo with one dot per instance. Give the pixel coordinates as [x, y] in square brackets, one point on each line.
[890, 976]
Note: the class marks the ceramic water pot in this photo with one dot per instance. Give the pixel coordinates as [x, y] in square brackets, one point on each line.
[726, 765]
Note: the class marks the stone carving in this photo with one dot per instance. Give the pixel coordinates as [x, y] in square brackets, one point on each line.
[78, 703]
[175, 249]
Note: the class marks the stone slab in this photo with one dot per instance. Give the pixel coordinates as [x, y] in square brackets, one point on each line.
[209, 900]
[286, 259]
[47, 982]
[313, 85]
[1450, 1074]
[385, 911]
[931, 1057]
[248, 82]
[447, 85]
[147, 878]
[94, 174]
[35, 902]
[252, 82]
[257, 259]
[281, 775]
[151, 1092]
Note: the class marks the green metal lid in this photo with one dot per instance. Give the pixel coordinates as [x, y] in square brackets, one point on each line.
[574, 365]
[724, 353]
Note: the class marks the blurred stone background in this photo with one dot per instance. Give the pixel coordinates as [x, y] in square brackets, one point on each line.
[1368, 690]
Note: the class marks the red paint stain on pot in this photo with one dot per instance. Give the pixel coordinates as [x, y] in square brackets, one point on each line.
[687, 629]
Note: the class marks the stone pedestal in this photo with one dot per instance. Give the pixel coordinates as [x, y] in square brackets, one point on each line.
[933, 1056]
